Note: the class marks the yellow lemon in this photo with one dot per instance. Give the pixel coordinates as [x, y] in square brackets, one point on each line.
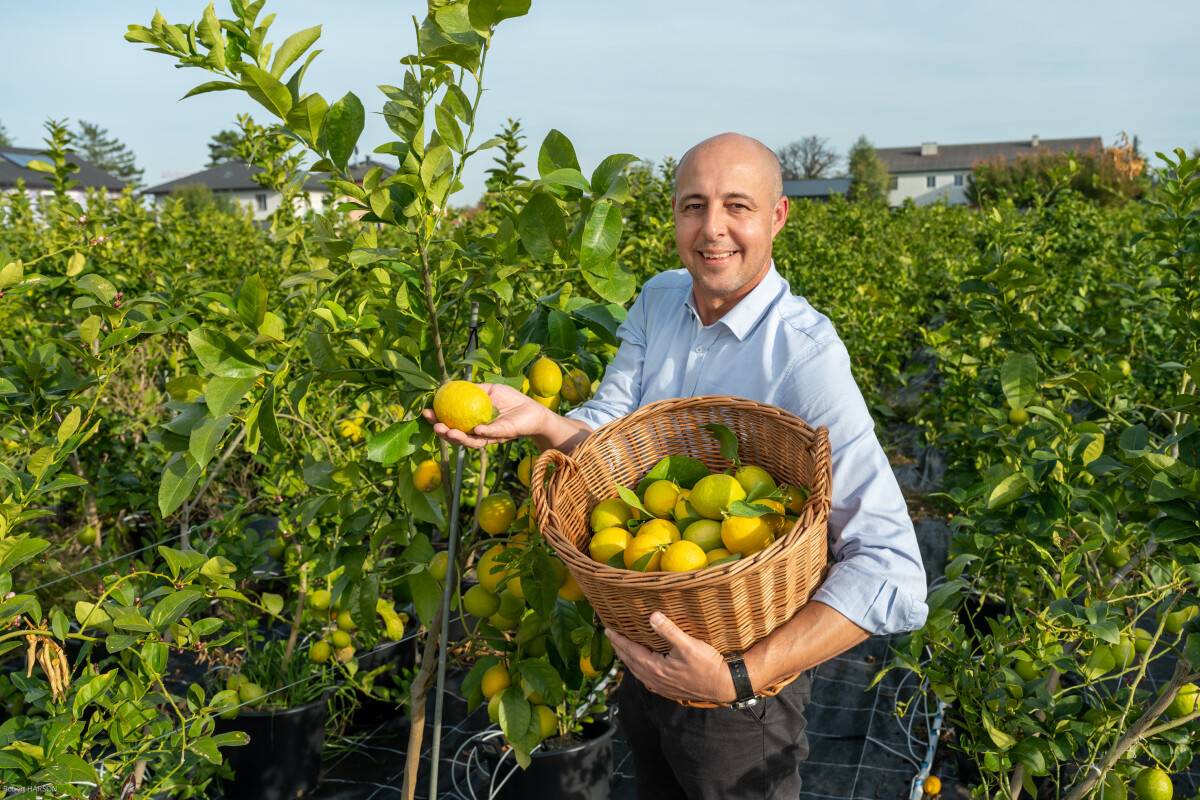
[496, 513]
[683, 556]
[704, 532]
[607, 543]
[427, 476]
[495, 679]
[570, 590]
[716, 554]
[776, 520]
[750, 476]
[479, 602]
[488, 579]
[794, 497]
[576, 386]
[714, 493]
[350, 430]
[651, 542]
[661, 526]
[585, 666]
[438, 565]
[547, 721]
[525, 470]
[462, 405]
[660, 498]
[545, 378]
[1154, 784]
[932, 785]
[611, 513]
[746, 535]
[550, 402]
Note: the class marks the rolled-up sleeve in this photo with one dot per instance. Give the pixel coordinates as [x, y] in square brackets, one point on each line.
[877, 579]
[620, 390]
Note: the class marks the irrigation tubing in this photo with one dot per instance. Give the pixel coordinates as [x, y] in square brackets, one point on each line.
[451, 580]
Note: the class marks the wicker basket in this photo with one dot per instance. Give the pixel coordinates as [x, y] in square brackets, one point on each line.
[730, 606]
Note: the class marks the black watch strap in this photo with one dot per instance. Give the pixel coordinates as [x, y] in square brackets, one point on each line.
[741, 678]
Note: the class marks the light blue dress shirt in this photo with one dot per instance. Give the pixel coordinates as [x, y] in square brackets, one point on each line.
[775, 348]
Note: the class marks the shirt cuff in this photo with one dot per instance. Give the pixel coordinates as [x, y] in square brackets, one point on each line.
[870, 600]
[591, 416]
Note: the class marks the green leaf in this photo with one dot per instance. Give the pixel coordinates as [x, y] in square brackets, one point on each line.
[222, 394]
[205, 747]
[266, 89]
[12, 274]
[252, 302]
[397, 441]
[448, 128]
[168, 610]
[343, 126]
[1001, 739]
[178, 479]
[1135, 440]
[273, 603]
[612, 280]
[1018, 379]
[267, 423]
[684, 471]
[557, 153]
[69, 425]
[221, 356]
[205, 437]
[89, 689]
[292, 48]
[726, 439]
[98, 286]
[211, 86]
[601, 234]
[89, 329]
[538, 675]
[542, 227]
[1008, 490]
[609, 170]
[560, 331]
[186, 388]
[40, 461]
[59, 624]
[600, 321]
[632, 501]
[484, 14]
[1192, 649]
[516, 714]
[426, 593]
[307, 118]
[566, 177]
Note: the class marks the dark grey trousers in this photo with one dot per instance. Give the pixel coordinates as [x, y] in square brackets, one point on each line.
[711, 753]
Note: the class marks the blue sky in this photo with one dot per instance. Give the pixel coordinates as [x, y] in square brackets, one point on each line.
[653, 77]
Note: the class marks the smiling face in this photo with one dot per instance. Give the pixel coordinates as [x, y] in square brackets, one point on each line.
[728, 209]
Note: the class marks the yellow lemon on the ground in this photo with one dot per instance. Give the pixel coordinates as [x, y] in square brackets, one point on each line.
[1154, 784]
[545, 378]
[660, 498]
[550, 402]
[746, 535]
[661, 526]
[462, 405]
[525, 470]
[704, 532]
[427, 476]
[611, 513]
[794, 497]
[750, 476]
[496, 513]
[713, 493]
[932, 785]
[607, 543]
[683, 556]
[585, 666]
[547, 721]
[495, 679]
[488, 579]
[576, 386]
[570, 590]
[716, 554]
[651, 542]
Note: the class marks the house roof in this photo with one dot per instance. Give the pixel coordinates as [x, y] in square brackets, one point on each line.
[816, 187]
[14, 159]
[965, 156]
[234, 176]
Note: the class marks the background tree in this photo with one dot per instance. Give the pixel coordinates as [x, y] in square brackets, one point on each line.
[222, 148]
[810, 157]
[869, 176]
[507, 170]
[109, 154]
[4, 140]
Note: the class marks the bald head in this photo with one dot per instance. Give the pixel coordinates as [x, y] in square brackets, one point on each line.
[736, 147]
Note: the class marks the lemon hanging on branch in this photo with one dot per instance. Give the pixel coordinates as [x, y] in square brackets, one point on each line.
[545, 378]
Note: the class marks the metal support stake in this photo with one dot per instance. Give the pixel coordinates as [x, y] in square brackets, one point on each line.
[451, 581]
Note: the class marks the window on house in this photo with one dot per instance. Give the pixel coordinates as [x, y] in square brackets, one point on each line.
[262, 201]
[931, 181]
[959, 179]
[894, 183]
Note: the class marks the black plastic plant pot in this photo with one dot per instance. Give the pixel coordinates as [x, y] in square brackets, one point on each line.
[580, 772]
[282, 760]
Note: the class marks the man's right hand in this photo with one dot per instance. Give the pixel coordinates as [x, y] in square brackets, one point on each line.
[516, 415]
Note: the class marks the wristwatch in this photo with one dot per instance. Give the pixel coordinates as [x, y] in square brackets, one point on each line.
[746, 698]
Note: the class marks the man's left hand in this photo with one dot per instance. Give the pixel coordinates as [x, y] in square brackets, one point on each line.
[692, 670]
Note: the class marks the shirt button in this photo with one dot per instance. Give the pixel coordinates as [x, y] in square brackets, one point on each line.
[699, 349]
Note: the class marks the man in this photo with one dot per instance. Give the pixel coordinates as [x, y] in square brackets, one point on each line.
[728, 324]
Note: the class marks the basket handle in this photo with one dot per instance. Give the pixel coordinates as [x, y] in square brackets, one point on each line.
[563, 464]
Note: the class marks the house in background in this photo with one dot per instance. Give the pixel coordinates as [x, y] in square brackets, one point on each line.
[236, 181]
[14, 167]
[931, 171]
[819, 189]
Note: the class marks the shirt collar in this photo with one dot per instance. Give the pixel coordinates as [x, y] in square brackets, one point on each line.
[740, 319]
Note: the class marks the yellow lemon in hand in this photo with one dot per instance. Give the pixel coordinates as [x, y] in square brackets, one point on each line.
[462, 405]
